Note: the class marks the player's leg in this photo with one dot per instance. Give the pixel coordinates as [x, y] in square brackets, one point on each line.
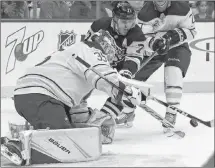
[41, 112]
[127, 117]
[177, 63]
[150, 68]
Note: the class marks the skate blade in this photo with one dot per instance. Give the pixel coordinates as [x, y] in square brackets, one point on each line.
[11, 156]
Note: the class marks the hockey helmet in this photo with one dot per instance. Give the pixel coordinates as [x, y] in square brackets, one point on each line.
[123, 10]
[124, 17]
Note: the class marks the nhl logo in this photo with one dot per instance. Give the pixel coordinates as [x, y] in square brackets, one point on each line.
[66, 39]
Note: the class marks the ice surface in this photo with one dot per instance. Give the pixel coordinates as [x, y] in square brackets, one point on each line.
[144, 144]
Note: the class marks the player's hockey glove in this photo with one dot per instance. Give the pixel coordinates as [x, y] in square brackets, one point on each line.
[176, 36]
[125, 73]
[159, 44]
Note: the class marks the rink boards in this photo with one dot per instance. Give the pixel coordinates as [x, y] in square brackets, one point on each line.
[28, 43]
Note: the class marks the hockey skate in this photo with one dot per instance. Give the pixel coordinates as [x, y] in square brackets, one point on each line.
[11, 150]
[172, 119]
[125, 120]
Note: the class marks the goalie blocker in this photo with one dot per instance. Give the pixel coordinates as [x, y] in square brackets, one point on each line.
[54, 146]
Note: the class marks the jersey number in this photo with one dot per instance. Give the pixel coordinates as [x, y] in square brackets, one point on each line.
[140, 25]
[101, 57]
[141, 47]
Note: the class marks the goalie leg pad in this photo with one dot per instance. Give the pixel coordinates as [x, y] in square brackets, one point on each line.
[60, 146]
[95, 118]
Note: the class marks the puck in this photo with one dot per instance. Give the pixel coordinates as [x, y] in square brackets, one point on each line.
[193, 122]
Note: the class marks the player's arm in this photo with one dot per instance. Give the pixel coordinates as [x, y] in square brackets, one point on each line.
[185, 32]
[188, 26]
[133, 59]
[135, 52]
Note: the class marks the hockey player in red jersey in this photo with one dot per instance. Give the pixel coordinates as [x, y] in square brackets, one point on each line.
[50, 94]
[127, 38]
[173, 21]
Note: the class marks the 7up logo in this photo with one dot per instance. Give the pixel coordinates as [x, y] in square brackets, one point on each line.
[20, 46]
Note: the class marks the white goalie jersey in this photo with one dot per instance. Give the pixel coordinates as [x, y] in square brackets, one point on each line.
[66, 79]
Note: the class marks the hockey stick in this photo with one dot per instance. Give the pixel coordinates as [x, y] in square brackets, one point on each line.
[151, 57]
[146, 62]
[162, 120]
[206, 123]
[193, 118]
[152, 112]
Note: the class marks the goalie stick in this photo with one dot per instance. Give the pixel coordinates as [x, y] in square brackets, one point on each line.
[148, 109]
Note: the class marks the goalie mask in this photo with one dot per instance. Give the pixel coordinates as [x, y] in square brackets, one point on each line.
[124, 18]
[105, 40]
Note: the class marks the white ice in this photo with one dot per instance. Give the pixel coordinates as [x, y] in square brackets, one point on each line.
[144, 144]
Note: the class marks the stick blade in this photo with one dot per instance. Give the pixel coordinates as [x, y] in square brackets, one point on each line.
[175, 134]
[180, 134]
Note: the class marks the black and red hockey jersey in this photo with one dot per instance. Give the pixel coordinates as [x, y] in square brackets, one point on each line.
[129, 48]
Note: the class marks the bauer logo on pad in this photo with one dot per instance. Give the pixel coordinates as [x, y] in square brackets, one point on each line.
[66, 39]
